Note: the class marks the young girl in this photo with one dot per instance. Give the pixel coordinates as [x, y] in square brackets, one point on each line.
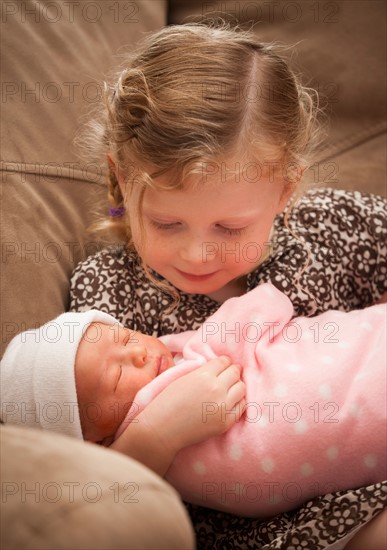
[207, 133]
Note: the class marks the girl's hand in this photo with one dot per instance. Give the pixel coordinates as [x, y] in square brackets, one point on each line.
[202, 404]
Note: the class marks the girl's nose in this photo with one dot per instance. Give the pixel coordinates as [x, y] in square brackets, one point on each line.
[136, 355]
[193, 252]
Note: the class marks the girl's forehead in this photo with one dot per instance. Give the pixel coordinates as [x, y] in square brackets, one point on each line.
[212, 175]
[222, 197]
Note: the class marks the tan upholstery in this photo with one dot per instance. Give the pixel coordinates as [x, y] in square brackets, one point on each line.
[59, 492]
[56, 58]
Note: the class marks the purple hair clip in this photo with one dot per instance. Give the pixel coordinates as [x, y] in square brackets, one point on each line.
[117, 212]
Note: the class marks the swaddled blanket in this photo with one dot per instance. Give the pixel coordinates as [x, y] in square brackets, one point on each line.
[315, 419]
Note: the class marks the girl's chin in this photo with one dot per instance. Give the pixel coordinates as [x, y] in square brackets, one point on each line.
[198, 285]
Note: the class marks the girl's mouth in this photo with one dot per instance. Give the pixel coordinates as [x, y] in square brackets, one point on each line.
[194, 277]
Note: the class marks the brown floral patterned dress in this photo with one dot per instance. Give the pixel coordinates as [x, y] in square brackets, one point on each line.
[334, 257]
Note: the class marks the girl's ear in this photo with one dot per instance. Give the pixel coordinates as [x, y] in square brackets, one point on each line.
[111, 162]
[287, 192]
[290, 185]
[113, 167]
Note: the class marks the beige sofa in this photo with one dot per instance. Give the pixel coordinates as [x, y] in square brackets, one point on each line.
[55, 59]
[55, 56]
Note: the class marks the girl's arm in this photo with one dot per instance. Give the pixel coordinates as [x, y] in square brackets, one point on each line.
[204, 403]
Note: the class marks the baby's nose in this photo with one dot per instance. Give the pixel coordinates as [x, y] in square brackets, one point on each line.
[137, 355]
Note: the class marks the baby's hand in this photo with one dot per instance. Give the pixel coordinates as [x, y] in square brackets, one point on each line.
[202, 404]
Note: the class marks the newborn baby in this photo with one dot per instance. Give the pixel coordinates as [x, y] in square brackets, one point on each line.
[312, 421]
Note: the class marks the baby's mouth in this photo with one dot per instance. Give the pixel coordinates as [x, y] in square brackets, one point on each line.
[161, 364]
[165, 363]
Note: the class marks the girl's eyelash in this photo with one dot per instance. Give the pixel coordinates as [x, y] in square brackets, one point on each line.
[164, 226]
[227, 230]
[233, 232]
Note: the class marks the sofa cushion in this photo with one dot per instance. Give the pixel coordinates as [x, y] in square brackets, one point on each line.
[58, 492]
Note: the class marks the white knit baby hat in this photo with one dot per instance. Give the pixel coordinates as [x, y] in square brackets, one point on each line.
[37, 374]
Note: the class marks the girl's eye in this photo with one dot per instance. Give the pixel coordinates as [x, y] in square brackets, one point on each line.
[165, 226]
[231, 231]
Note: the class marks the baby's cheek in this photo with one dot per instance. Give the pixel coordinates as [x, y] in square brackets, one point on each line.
[119, 408]
[141, 380]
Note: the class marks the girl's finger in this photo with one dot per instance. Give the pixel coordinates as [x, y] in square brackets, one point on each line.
[233, 413]
[236, 393]
[230, 375]
[218, 365]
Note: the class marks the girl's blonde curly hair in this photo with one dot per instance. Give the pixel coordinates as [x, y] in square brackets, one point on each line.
[189, 95]
[194, 93]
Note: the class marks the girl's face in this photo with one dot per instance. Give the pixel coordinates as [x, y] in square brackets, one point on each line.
[112, 364]
[204, 237]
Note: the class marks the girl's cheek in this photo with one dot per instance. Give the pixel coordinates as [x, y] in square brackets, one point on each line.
[140, 240]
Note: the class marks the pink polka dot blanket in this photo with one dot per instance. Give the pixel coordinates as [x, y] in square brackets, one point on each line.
[315, 418]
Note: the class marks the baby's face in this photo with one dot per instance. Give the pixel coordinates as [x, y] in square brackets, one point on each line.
[112, 364]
